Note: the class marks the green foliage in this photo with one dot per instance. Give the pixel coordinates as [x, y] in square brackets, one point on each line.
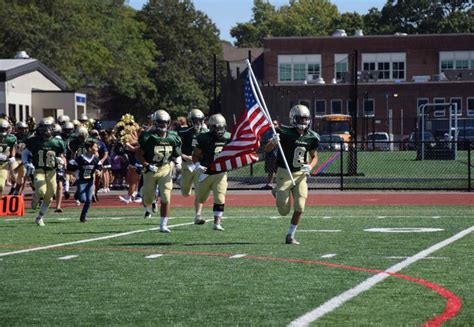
[187, 42]
[91, 44]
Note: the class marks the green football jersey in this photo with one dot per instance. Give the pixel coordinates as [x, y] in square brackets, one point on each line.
[189, 139]
[7, 143]
[296, 146]
[44, 152]
[159, 150]
[77, 145]
[211, 147]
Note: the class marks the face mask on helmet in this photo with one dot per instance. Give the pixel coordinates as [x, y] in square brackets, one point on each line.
[300, 117]
[302, 122]
[162, 125]
[46, 130]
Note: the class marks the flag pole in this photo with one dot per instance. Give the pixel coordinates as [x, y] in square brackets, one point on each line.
[263, 105]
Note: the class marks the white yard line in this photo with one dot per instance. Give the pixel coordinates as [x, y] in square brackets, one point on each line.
[238, 256]
[47, 247]
[68, 257]
[154, 256]
[329, 255]
[339, 300]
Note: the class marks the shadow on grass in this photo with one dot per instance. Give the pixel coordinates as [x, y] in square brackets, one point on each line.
[219, 244]
[146, 244]
[81, 233]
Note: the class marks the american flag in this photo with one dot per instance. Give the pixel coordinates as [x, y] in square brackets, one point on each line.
[244, 142]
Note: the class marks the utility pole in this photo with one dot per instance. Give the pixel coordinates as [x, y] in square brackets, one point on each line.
[352, 157]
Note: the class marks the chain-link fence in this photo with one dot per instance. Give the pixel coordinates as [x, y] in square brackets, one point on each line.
[433, 165]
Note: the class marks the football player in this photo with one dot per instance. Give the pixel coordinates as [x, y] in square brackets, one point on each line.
[43, 154]
[21, 133]
[208, 146]
[67, 136]
[63, 119]
[157, 148]
[189, 138]
[60, 171]
[297, 141]
[86, 164]
[7, 152]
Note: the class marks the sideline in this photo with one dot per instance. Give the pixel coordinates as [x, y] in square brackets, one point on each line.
[337, 301]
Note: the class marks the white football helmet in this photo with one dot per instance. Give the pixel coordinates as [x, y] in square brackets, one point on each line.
[83, 118]
[45, 127]
[162, 120]
[62, 119]
[300, 117]
[4, 127]
[82, 132]
[196, 119]
[217, 124]
[57, 129]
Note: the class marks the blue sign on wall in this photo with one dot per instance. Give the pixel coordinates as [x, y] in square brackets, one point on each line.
[80, 99]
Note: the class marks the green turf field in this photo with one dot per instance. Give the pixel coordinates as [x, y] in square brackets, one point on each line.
[196, 282]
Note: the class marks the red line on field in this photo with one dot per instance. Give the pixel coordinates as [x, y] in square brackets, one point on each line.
[452, 307]
[263, 199]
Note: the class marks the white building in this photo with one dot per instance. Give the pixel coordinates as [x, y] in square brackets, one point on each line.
[29, 88]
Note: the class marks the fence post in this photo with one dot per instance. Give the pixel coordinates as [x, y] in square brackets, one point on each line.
[342, 166]
[469, 186]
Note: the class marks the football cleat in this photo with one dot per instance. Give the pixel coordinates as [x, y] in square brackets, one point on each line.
[291, 240]
[218, 227]
[39, 221]
[199, 221]
[147, 215]
[125, 199]
[58, 210]
[165, 230]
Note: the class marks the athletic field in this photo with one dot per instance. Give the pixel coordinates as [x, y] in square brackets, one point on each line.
[356, 266]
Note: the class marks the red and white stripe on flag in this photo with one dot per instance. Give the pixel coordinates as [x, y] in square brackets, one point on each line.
[245, 139]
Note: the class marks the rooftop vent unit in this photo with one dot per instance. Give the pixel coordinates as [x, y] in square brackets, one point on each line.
[400, 34]
[22, 55]
[339, 33]
[320, 81]
[359, 33]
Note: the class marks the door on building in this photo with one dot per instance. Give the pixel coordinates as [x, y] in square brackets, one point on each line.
[12, 111]
[47, 112]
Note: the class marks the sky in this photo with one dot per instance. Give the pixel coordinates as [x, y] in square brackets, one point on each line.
[227, 13]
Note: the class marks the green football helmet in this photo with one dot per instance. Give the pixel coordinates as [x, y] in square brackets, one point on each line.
[300, 117]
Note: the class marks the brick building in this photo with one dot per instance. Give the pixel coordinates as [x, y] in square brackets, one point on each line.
[395, 75]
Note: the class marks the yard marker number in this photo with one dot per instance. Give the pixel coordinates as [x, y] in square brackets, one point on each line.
[12, 205]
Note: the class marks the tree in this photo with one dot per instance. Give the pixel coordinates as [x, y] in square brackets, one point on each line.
[187, 42]
[86, 42]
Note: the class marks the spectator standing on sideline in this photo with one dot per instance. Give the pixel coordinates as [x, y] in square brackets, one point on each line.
[297, 141]
[270, 158]
[209, 145]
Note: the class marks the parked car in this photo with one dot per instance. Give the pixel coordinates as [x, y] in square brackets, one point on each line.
[378, 141]
[332, 142]
[409, 143]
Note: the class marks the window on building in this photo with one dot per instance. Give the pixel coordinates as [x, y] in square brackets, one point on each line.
[284, 72]
[439, 111]
[470, 106]
[28, 112]
[298, 68]
[384, 70]
[456, 60]
[419, 103]
[320, 107]
[458, 102]
[341, 65]
[21, 112]
[336, 106]
[398, 70]
[349, 108]
[369, 107]
[12, 110]
[388, 66]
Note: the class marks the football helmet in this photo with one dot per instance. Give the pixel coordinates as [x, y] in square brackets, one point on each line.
[68, 129]
[62, 119]
[45, 127]
[57, 129]
[83, 118]
[300, 117]
[217, 125]
[196, 119]
[76, 123]
[82, 133]
[21, 128]
[162, 120]
[4, 127]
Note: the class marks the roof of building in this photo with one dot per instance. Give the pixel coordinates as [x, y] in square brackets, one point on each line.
[12, 68]
[374, 36]
[232, 53]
